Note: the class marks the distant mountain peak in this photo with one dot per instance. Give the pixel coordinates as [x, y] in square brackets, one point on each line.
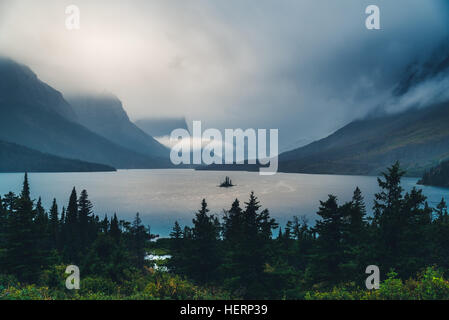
[21, 87]
[437, 65]
[36, 116]
[162, 126]
[104, 114]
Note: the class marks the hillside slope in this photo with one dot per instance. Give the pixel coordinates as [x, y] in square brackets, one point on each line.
[159, 127]
[15, 158]
[419, 139]
[104, 115]
[35, 115]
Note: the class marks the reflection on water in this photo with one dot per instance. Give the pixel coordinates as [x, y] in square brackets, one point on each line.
[163, 196]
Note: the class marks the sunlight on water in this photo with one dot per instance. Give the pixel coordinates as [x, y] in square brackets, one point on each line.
[163, 196]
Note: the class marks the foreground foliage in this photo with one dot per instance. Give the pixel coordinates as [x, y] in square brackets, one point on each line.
[146, 285]
[430, 285]
[232, 256]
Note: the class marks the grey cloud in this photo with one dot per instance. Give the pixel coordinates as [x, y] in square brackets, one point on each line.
[305, 67]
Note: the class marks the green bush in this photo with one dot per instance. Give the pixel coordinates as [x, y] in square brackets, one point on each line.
[430, 285]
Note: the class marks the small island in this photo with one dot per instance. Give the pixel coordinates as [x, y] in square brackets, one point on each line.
[227, 183]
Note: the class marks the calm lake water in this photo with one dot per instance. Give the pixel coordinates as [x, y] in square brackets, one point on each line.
[164, 196]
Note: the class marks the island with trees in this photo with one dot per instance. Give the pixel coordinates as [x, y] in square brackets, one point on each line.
[227, 183]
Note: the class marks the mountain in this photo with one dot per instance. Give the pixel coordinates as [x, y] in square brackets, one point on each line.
[15, 158]
[418, 138]
[20, 88]
[34, 115]
[435, 67]
[437, 176]
[160, 127]
[291, 145]
[104, 115]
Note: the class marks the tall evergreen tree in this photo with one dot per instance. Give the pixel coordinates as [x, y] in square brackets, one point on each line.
[138, 241]
[42, 232]
[329, 251]
[54, 225]
[72, 230]
[22, 258]
[205, 255]
[177, 246]
[3, 230]
[252, 254]
[233, 224]
[355, 237]
[85, 219]
[115, 229]
[387, 216]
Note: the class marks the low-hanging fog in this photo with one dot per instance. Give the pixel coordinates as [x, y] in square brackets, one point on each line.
[305, 67]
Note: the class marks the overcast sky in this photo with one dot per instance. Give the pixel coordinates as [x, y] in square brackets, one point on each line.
[305, 67]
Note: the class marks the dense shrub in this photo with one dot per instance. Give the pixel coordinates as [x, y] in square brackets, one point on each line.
[429, 285]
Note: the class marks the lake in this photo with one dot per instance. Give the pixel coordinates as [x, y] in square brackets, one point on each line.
[164, 196]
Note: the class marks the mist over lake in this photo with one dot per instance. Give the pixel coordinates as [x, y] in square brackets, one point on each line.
[164, 196]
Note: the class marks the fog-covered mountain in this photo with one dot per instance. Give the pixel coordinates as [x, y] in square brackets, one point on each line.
[160, 127]
[15, 158]
[418, 137]
[21, 89]
[412, 127]
[35, 115]
[104, 115]
[434, 69]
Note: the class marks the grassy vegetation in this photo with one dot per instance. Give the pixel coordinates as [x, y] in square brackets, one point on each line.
[148, 284]
[429, 285]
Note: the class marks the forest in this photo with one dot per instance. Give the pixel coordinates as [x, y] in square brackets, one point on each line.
[241, 254]
[437, 176]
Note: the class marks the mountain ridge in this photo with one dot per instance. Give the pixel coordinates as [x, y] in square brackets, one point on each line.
[16, 158]
[104, 114]
[418, 138]
[35, 115]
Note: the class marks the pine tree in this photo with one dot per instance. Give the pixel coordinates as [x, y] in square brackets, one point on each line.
[85, 219]
[104, 225]
[138, 241]
[22, 259]
[414, 237]
[3, 234]
[72, 230]
[355, 238]
[54, 225]
[25, 194]
[329, 251]
[205, 255]
[233, 224]
[250, 252]
[178, 252]
[42, 232]
[299, 230]
[387, 217]
[115, 229]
